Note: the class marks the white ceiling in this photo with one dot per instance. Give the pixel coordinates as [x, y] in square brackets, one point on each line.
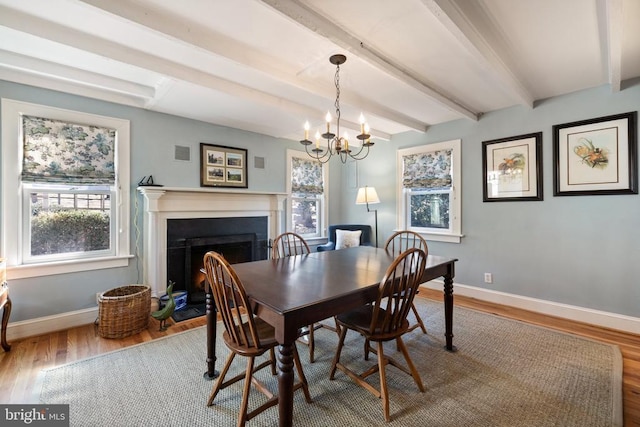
[263, 66]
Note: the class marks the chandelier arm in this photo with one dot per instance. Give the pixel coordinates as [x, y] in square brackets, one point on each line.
[356, 156]
[317, 155]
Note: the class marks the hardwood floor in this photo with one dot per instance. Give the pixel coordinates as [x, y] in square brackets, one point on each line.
[19, 367]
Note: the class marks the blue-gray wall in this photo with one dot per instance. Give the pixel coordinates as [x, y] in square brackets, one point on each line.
[580, 250]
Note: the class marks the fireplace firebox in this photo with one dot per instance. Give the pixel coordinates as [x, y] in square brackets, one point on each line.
[238, 239]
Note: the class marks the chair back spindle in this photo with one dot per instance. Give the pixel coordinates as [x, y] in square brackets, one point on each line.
[400, 241]
[289, 244]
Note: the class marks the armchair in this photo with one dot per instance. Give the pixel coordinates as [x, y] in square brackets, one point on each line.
[365, 237]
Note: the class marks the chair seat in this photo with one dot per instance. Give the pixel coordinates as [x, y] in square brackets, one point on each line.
[266, 335]
[360, 320]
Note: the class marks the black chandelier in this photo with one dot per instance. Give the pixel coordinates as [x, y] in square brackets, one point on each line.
[336, 144]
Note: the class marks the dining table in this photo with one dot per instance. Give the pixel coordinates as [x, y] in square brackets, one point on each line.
[293, 292]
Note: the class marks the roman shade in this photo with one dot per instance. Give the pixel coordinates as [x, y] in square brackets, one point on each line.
[60, 152]
[306, 176]
[427, 170]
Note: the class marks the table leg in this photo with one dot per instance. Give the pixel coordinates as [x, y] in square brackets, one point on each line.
[212, 321]
[5, 321]
[448, 312]
[285, 384]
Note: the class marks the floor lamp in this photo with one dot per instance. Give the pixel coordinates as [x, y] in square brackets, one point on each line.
[368, 195]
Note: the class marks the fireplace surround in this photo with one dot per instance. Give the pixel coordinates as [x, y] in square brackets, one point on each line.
[164, 204]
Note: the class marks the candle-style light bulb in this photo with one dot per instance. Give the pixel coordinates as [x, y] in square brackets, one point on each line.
[362, 123]
[346, 141]
[328, 119]
[317, 139]
[306, 130]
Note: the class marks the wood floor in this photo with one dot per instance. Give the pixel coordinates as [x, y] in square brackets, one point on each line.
[19, 367]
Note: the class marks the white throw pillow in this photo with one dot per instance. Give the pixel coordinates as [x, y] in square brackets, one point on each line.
[347, 239]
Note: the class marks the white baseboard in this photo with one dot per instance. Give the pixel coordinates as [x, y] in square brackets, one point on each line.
[48, 324]
[565, 311]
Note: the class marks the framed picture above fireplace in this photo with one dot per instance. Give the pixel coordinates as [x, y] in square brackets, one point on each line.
[222, 166]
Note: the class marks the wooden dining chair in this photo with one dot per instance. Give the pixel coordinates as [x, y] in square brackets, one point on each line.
[385, 320]
[245, 335]
[399, 242]
[289, 244]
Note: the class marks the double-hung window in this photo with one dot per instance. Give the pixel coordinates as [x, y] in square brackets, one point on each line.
[307, 189]
[429, 190]
[65, 190]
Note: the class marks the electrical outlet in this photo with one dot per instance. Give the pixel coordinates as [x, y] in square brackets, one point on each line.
[488, 278]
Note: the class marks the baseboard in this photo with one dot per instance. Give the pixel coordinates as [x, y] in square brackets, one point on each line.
[579, 314]
[48, 324]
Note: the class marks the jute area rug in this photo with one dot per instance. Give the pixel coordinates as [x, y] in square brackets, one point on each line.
[505, 373]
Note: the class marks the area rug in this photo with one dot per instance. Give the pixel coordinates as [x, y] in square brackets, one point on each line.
[505, 373]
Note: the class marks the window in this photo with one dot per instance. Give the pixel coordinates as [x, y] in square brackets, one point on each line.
[65, 190]
[429, 190]
[307, 189]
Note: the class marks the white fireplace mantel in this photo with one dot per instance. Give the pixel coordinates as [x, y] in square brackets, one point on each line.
[163, 203]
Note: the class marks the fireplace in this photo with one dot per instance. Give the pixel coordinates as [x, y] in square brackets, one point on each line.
[188, 212]
[238, 239]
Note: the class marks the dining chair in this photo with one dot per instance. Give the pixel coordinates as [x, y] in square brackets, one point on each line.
[399, 242]
[289, 244]
[245, 335]
[385, 320]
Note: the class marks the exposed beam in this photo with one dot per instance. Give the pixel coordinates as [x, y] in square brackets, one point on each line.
[54, 71]
[304, 14]
[240, 53]
[68, 36]
[452, 16]
[611, 19]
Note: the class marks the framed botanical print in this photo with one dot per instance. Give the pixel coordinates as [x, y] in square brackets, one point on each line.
[596, 156]
[512, 168]
[222, 166]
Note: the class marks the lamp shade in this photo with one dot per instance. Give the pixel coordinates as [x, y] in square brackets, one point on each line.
[367, 195]
[3, 271]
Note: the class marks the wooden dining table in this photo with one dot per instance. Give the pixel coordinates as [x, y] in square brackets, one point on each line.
[292, 292]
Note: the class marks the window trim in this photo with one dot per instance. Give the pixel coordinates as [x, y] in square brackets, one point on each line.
[12, 222]
[453, 235]
[324, 202]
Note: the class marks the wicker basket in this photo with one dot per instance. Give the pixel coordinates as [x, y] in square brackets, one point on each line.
[124, 311]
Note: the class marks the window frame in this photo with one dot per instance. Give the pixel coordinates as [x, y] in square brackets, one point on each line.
[11, 233]
[454, 233]
[323, 210]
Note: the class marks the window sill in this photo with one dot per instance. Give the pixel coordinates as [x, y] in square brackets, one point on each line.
[443, 237]
[64, 267]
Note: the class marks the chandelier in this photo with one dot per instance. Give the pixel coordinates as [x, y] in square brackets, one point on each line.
[336, 144]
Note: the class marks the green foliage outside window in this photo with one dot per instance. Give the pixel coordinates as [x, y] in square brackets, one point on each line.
[65, 231]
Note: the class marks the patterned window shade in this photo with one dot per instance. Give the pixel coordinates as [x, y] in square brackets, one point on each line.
[60, 152]
[427, 170]
[306, 176]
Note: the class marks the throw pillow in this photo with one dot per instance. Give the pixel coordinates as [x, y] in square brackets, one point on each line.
[347, 239]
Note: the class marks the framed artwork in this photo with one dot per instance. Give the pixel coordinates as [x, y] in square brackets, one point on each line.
[222, 166]
[512, 168]
[596, 156]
